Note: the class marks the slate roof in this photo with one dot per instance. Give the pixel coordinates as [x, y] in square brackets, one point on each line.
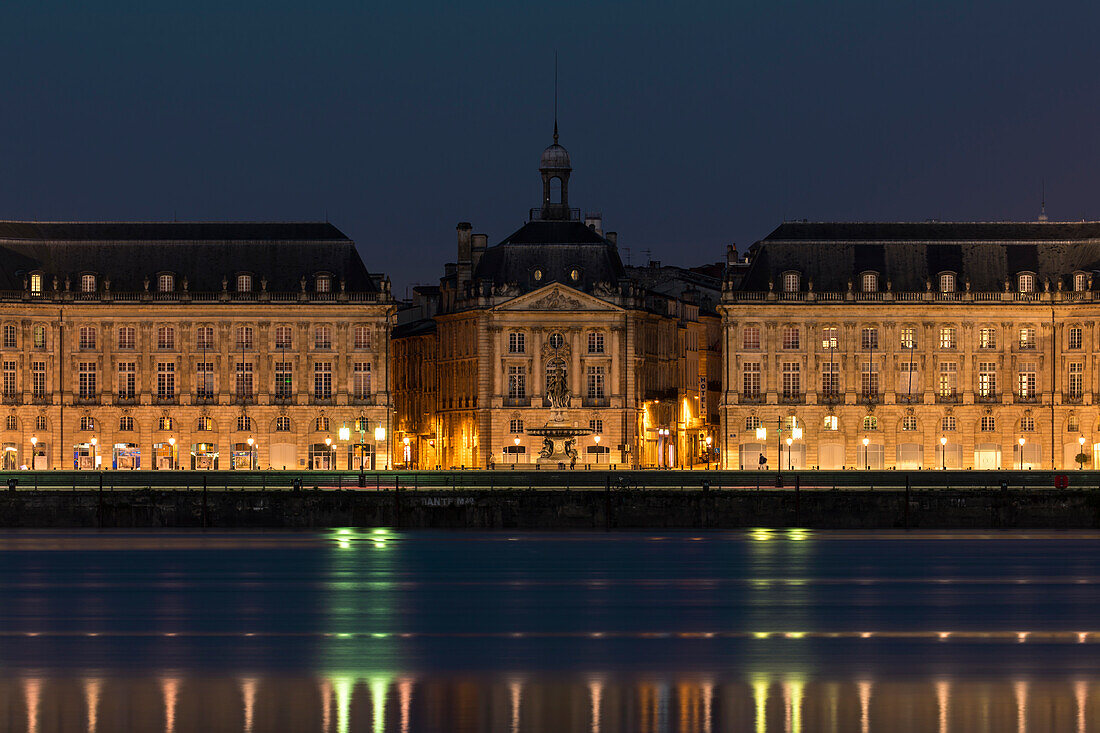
[203, 252]
[908, 254]
[555, 248]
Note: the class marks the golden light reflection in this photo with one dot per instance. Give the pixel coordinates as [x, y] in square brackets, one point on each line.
[248, 698]
[864, 688]
[342, 688]
[1081, 697]
[92, 687]
[760, 703]
[792, 698]
[595, 696]
[515, 689]
[404, 701]
[943, 695]
[1019, 691]
[32, 693]
[170, 689]
[326, 705]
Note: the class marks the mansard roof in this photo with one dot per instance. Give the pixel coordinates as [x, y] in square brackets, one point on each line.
[910, 254]
[204, 252]
[555, 248]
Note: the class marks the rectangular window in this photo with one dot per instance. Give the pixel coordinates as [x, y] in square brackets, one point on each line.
[596, 426]
[517, 343]
[987, 338]
[322, 380]
[360, 381]
[243, 385]
[988, 424]
[515, 426]
[126, 337]
[909, 381]
[87, 337]
[750, 337]
[322, 337]
[1076, 379]
[38, 378]
[244, 337]
[751, 377]
[517, 383]
[869, 339]
[166, 380]
[595, 342]
[9, 336]
[362, 337]
[868, 379]
[830, 337]
[166, 337]
[284, 338]
[792, 380]
[86, 385]
[1027, 338]
[947, 338]
[39, 337]
[1075, 338]
[204, 337]
[595, 383]
[127, 380]
[9, 378]
[204, 380]
[909, 337]
[949, 379]
[790, 338]
[284, 380]
[987, 379]
[1026, 381]
[830, 379]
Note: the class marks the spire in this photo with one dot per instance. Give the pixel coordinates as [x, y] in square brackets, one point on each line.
[555, 97]
[555, 130]
[1043, 204]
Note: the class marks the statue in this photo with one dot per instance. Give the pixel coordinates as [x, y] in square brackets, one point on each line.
[557, 384]
[571, 451]
[547, 448]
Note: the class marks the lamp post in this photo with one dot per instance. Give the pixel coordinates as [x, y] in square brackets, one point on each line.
[1081, 443]
[34, 451]
[251, 453]
[408, 452]
[597, 439]
[710, 440]
[866, 455]
[328, 449]
[789, 441]
[943, 452]
[515, 453]
[94, 464]
[1021, 441]
[762, 436]
[172, 451]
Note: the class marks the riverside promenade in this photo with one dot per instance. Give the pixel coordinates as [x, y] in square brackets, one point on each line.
[554, 500]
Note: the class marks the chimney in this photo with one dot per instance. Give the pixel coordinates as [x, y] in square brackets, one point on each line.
[478, 243]
[594, 221]
[613, 237]
[464, 269]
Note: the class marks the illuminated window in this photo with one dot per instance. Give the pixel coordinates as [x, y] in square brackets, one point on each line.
[166, 282]
[790, 282]
[831, 423]
[1027, 338]
[909, 423]
[164, 423]
[244, 283]
[908, 337]
[870, 422]
[869, 282]
[1025, 282]
[947, 282]
[949, 379]
[987, 338]
[87, 283]
[1080, 281]
[987, 379]
[830, 336]
[1075, 338]
[205, 424]
[126, 423]
[947, 338]
[39, 337]
[323, 284]
[868, 379]
[36, 284]
[1073, 424]
[321, 424]
[87, 423]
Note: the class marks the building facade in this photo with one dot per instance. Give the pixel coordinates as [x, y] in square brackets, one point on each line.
[914, 346]
[548, 328]
[192, 346]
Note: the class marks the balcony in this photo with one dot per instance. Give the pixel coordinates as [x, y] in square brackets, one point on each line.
[870, 398]
[947, 398]
[751, 398]
[595, 402]
[13, 399]
[792, 398]
[244, 398]
[1025, 398]
[830, 397]
[517, 401]
[282, 399]
[987, 398]
[126, 399]
[1073, 398]
[42, 399]
[166, 399]
[85, 399]
[323, 399]
[909, 399]
[363, 399]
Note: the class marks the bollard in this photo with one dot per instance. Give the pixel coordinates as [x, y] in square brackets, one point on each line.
[12, 483]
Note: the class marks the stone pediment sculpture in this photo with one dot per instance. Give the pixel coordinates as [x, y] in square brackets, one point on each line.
[555, 301]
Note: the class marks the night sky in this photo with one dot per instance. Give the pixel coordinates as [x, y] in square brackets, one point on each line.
[690, 124]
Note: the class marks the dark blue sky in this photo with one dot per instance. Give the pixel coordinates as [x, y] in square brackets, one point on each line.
[690, 124]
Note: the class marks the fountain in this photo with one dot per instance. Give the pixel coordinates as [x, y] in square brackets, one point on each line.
[559, 440]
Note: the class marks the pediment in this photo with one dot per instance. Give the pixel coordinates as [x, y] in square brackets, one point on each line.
[556, 297]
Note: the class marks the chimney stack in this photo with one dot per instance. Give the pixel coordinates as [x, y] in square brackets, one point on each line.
[478, 243]
[613, 237]
[594, 221]
[464, 263]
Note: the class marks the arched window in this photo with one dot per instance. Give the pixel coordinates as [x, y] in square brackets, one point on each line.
[752, 422]
[125, 423]
[791, 282]
[323, 284]
[947, 282]
[870, 423]
[831, 423]
[1027, 424]
[87, 283]
[988, 424]
[166, 282]
[948, 424]
[244, 283]
[321, 424]
[87, 423]
[1080, 281]
[869, 282]
[1073, 424]
[908, 423]
[1025, 282]
[282, 424]
[555, 190]
[204, 424]
[164, 423]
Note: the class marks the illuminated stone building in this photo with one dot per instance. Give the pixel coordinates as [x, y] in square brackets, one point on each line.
[914, 345]
[190, 345]
[550, 310]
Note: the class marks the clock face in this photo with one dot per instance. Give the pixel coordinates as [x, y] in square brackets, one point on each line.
[556, 340]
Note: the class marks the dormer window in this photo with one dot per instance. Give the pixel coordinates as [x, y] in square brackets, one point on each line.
[87, 283]
[791, 282]
[323, 284]
[1080, 282]
[1025, 282]
[947, 282]
[869, 282]
[36, 283]
[166, 282]
[244, 283]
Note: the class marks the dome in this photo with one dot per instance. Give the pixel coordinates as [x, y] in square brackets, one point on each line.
[554, 157]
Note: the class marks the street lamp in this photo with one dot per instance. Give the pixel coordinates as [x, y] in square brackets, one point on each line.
[709, 441]
[597, 439]
[34, 452]
[408, 452]
[1021, 441]
[789, 441]
[329, 448]
[172, 451]
[251, 453]
[943, 452]
[94, 441]
[515, 453]
[379, 436]
[1081, 442]
[866, 455]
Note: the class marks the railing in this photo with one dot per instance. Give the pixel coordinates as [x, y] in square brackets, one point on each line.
[554, 211]
[361, 400]
[792, 398]
[949, 398]
[125, 399]
[166, 399]
[193, 297]
[595, 402]
[517, 401]
[751, 398]
[1025, 399]
[988, 398]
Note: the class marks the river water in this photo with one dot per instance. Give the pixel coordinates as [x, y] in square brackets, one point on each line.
[385, 630]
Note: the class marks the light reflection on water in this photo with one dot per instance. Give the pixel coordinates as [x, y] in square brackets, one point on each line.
[382, 630]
